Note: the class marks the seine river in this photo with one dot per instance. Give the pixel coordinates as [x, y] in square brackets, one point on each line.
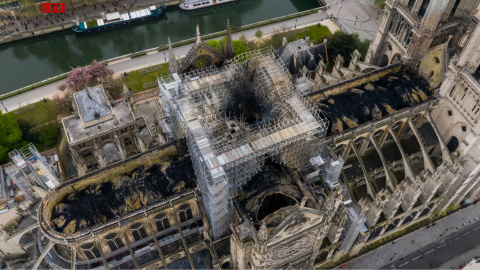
[31, 60]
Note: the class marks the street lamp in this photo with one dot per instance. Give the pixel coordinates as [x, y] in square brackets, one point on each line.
[296, 23]
[4, 106]
[338, 13]
[18, 24]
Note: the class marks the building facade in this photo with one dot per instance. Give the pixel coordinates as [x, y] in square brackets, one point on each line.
[103, 131]
[409, 28]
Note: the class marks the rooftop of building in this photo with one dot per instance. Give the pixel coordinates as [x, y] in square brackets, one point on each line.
[300, 53]
[92, 104]
[372, 97]
[83, 203]
[76, 130]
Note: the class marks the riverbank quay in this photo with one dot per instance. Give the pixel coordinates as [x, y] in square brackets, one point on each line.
[47, 88]
[67, 20]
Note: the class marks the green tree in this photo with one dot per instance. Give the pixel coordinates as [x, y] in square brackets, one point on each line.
[201, 63]
[47, 134]
[239, 47]
[114, 87]
[214, 44]
[259, 33]
[380, 3]
[243, 38]
[10, 135]
[29, 133]
[344, 44]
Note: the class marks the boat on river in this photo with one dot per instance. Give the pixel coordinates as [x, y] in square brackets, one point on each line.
[197, 4]
[115, 20]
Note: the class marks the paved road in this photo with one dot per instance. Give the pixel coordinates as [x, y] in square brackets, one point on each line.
[441, 251]
[420, 240]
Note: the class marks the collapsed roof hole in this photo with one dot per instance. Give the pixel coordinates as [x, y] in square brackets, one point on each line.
[272, 203]
[246, 100]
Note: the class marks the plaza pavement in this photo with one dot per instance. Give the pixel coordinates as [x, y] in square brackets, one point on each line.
[356, 16]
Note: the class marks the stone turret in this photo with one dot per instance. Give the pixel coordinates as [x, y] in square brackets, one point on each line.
[172, 61]
[199, 39]
[260, 249]
[229, 53]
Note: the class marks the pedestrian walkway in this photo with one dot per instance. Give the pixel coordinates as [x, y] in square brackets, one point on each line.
[416, 240]
[356, 16]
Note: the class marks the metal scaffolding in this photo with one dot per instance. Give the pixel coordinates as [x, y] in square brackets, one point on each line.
[226, 149]
[32, 165]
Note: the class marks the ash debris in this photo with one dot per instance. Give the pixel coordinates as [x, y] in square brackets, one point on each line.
[270, 196]
[244, 98]
[374, 100]
[113, 198]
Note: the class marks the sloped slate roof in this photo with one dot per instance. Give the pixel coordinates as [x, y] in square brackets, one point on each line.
[306, 56]
[92, 104]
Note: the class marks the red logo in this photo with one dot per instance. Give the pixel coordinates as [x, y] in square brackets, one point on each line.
[52, 7]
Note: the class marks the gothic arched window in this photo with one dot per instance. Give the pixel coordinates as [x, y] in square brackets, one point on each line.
[162, 222]
[114, 241]
[185, 212]
[90, 250]
[138, 231]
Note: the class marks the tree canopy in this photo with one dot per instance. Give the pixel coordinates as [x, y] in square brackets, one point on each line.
[238, 46]
[87, 75]
[344, 44]
[10, 135]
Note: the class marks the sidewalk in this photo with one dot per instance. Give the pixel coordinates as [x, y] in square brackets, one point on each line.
[418, 239]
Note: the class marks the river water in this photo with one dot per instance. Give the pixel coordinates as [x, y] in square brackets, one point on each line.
[31, 60]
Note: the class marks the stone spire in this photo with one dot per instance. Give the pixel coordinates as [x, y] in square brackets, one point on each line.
[229, 53]
[263, 233]
[199, 40]
[172, 61]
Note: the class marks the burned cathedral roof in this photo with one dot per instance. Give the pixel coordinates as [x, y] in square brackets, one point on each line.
[117, 191]
[372, 97]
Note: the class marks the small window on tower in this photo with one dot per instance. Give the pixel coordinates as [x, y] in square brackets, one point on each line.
[464, 128]
[450, 113]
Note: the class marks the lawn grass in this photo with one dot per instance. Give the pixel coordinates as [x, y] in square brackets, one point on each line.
[37, 113]
[317, 33]
[135, 81]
